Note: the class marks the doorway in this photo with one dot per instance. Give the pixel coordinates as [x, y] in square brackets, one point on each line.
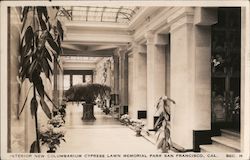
[225, 70]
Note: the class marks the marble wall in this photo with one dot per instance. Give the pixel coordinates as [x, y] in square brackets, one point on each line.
[16, 131]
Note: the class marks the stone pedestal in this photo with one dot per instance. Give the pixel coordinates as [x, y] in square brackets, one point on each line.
[88, 112]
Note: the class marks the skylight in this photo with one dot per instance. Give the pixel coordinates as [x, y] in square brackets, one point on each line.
[119, 14]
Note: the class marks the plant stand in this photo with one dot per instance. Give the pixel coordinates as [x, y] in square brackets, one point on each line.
[88, 112]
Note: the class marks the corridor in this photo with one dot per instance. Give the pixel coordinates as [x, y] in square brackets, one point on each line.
[105, 135]
[176, 74]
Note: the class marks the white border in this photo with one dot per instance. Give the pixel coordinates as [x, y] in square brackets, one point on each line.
[3, 55]
[226, 3]
[3, 72]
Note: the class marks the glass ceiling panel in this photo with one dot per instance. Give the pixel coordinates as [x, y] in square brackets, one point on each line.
[119, 14]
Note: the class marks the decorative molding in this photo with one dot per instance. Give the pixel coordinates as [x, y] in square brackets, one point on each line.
[187, 19]
[156, 39]
[141, 17]
[162, 22]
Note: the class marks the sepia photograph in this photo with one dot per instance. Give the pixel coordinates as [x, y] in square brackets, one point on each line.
[128, 80]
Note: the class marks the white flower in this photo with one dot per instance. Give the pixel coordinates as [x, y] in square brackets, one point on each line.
[50, 127]
[132, 120]
[43, 129]
[57, 130]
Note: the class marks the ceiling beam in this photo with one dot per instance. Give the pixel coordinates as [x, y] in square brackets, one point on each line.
[78, 66]
[71, 46]
[101, 53]
[108, 38]
[95, 25]
[102, 47]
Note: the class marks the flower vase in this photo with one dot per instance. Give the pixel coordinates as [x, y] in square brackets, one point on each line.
[51, 150]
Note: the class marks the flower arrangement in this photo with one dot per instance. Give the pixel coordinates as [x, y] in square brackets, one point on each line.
[53, 133]
[138, 125]
[125, 119]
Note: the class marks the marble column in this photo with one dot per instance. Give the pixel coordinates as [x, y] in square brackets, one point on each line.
[138, 75]
[155, 73]
[116, 74]
[190, 77]
[123, 79]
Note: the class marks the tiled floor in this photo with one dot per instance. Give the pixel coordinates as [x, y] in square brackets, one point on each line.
[105, 135]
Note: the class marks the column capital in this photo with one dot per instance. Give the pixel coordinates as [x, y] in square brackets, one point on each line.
[155, 38]
[138, 48]
[120, 50]
[149, 37]
[205, 16]
[183, 19]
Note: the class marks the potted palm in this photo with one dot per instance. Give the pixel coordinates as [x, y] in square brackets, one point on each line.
[88, 93]
[40, 48]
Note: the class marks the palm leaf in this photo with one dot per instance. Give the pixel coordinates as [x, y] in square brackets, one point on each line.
[59, 27]
[43, 11]
[38, 83]
[27, 95]
[53, 44]
[159, 145]
[58, 64]
[33, 147]
[45, 108]
[33, 106]
[46, 68]
[158, 136]
[46, 94]
[158, 104]
[47, 55]
[66, 13]
[24, 16]
[159, 121]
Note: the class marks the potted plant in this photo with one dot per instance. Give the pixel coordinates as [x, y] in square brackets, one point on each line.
[40, 48]
[87, 93]
[138, 125]
[53, 133]
[125, 119]
[162, 124]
